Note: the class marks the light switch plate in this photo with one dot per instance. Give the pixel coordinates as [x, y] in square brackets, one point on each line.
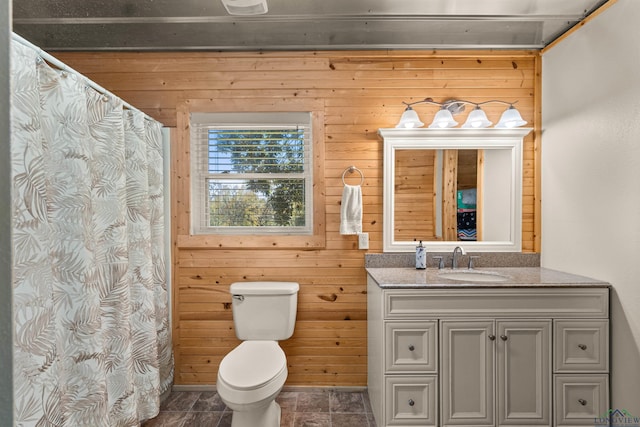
[363, 241]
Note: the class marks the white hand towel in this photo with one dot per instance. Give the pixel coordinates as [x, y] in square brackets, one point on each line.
[351, 210]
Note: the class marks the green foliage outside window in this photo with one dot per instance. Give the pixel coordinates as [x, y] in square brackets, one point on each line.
[239, 196]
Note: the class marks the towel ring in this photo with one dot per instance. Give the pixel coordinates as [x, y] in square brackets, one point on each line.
[352, 169]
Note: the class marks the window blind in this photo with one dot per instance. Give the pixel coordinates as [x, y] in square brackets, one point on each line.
[252, 173]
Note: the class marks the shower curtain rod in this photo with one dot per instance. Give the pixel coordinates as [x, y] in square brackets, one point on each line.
[64, 67]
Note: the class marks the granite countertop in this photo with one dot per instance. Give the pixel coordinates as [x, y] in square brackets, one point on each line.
[512, 277]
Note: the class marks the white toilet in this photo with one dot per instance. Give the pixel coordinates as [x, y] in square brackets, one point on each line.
[252, 374]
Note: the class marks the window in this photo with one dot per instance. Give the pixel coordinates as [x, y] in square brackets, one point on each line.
[252, 173]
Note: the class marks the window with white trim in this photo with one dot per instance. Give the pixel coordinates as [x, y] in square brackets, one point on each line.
[251, 173]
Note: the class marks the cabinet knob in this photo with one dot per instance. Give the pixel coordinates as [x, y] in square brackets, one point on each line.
[411, 347]
[411, 402]
[503, 337]
[492, 337]
[582, 402]
[582, 346]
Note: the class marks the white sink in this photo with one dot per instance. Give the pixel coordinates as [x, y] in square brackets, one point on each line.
[473, 276]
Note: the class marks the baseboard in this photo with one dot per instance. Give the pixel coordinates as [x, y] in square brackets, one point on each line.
[293, 388]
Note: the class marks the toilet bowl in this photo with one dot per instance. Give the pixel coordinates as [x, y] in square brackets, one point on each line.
[249, 379]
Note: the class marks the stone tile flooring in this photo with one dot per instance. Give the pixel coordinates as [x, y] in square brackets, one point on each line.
[313, 408]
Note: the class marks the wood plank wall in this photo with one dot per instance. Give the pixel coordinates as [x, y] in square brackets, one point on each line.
[361, 91]
[415, 195]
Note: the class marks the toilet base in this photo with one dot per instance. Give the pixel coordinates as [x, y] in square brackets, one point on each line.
[269, 416]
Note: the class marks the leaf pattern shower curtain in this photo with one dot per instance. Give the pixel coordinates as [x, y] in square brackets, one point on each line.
[92, 342]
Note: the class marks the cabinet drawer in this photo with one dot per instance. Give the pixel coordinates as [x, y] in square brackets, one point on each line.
[411, 401]
[581, 345]
[511, 303]
[411, 346]
[580, 399]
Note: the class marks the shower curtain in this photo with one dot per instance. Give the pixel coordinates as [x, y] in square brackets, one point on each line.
[92, 342]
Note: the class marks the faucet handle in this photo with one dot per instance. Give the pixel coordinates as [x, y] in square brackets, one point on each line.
[440, 262]
[471, 259]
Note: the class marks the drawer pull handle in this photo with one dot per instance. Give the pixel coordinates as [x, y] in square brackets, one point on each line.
[503, 337]
[411, 402]
[582, 402]
[492, 337]
[582, 346]
[411, 347]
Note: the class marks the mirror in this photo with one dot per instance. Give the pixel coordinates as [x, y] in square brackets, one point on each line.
[453, 187]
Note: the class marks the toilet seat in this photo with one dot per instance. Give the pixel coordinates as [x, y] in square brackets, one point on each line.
[253, 365]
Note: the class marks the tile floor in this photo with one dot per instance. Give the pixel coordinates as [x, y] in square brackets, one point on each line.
[313, 408]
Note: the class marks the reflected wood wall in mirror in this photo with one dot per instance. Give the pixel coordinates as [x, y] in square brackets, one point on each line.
[429, 186]
[415, 195]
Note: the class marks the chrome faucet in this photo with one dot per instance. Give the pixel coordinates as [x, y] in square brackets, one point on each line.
[454, 260]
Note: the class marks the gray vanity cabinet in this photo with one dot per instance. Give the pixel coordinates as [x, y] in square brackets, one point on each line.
[488, 356]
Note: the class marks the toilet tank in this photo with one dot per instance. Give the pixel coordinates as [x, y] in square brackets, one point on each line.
[264, 310]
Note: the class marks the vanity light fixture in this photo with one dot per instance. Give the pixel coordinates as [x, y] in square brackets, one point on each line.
[511, 118]
[477, 119]
[443, 119]
[409, 119]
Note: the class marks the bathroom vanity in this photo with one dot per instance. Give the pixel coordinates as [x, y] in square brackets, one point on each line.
[522, 346]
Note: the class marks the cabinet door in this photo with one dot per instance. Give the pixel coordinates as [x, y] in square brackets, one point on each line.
[524, 372]
[467, 372]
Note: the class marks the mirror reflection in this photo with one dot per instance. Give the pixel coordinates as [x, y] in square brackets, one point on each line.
[436, 193]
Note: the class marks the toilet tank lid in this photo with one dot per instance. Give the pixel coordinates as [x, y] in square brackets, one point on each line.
[264, 288]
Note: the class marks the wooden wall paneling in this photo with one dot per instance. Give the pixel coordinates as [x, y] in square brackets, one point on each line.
[449, 195]
[479, 195]
[467, 169]
[414, 193]
[534, 224]
[357, 93]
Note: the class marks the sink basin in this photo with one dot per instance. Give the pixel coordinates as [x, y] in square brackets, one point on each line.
[473, 276]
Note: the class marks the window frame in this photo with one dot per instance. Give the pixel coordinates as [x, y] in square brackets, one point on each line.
[185, 238]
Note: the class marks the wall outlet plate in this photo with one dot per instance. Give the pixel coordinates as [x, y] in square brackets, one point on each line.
[363, 241]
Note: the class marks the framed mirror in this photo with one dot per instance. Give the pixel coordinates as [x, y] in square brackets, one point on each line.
[453, 187]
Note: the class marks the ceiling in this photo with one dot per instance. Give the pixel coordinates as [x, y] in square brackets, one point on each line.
[297, 24]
